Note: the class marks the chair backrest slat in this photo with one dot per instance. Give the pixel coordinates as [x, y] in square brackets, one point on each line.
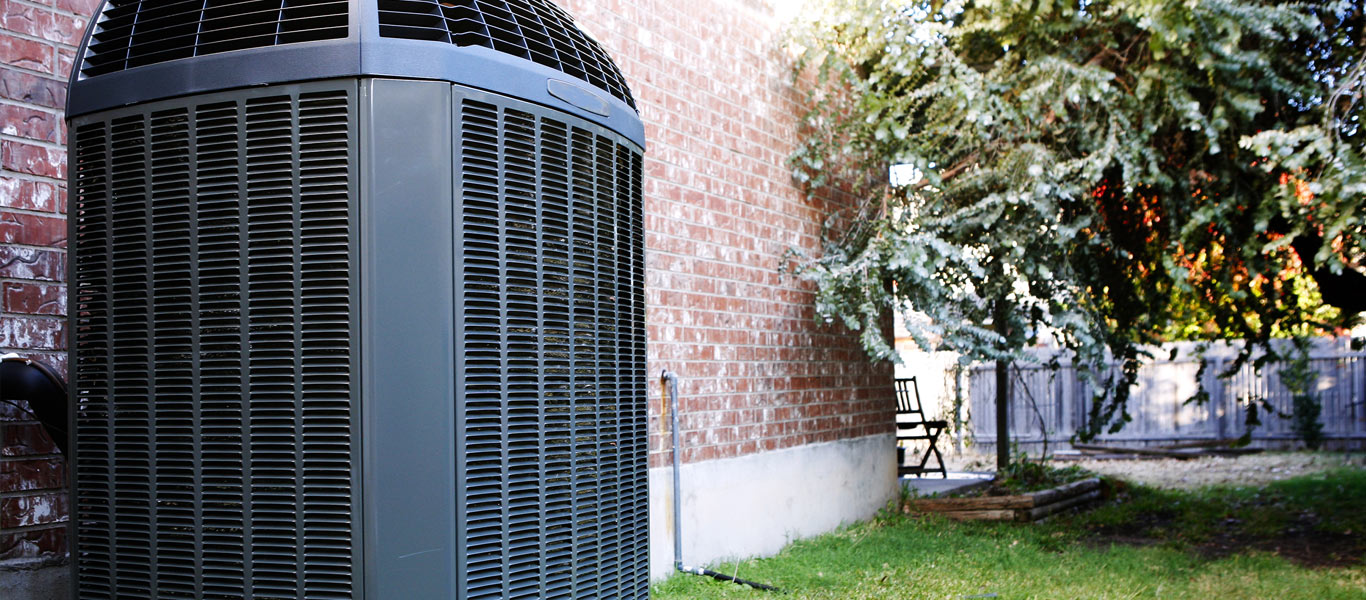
[908, 397]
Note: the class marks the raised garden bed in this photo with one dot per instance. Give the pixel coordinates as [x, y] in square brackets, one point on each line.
[1026, 507]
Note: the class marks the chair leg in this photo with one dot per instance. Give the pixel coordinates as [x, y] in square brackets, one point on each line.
[943, 472]
[925, 458]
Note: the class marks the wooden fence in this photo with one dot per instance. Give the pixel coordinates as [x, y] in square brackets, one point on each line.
[1053, 404]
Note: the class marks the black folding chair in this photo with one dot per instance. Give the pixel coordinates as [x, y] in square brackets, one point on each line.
[912, 425]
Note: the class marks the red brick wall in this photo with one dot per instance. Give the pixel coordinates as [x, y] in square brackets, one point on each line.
[758, 373]
[37, 43]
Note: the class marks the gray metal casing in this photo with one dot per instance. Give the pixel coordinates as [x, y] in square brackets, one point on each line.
[572, 385]
[363, 52]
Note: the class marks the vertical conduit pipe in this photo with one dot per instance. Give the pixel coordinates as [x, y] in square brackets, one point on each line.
[670, 380]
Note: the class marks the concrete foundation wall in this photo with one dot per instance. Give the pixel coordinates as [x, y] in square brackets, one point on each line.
[35, 579]
[754, 505]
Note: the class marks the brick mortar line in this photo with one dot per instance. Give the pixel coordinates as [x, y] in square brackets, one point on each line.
[751, 346]
[25, 315]
[30, 280]
[34, 247]
[58, 181]
[763, 209]
[707, 414]
[30, 212]
[30, 493]
[773, 391]
[31, 177]
[50, 43]
[661, 252]
[32, 142]
[723, 140]
[707, 175]
[710, 296]
[62, 524]
[40, 74]
[53, 9]
[29, 105]
[37, 317]
[747, 346]
[668, 236]
[729, 345]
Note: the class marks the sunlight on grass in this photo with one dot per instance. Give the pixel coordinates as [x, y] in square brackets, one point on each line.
[917, 557]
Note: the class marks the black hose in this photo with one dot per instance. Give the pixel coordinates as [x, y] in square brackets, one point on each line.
[724, 577]
[45, 392]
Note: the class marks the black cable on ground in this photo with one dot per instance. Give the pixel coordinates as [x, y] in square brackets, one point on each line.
[670, 381]
[725, 577]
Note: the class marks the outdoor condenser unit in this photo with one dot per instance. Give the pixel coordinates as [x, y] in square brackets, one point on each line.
[356, 303]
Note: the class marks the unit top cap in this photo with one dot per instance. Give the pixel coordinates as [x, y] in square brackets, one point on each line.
[142, 50]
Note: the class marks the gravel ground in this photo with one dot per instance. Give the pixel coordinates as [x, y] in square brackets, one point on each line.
[1255, 469]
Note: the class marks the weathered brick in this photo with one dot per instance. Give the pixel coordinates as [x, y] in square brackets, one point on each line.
[31, 159]
[33, 298]
[32, 332]
[25, 53]
[721, 211]
[32, 475]
[41, 22]
[33, 89]
[80, 7]
[14, 410]
[66, 59]
[25, 122]
[27, 194]
[25, 438]
[28, 511]
[32, 230]
[33, 543]
[30, 263]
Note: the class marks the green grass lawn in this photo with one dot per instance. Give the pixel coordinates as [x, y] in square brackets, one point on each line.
[1300, 538]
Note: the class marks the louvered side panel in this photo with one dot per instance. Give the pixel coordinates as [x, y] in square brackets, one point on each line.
[129, 265]
[224, 516]
[552, 323]
[173, 428]
[213, 347]
[90, 368]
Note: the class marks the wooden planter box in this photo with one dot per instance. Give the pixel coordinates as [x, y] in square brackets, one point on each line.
[1023, 507]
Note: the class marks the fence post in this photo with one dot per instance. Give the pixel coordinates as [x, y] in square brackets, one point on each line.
[959, 404]
[1067, 427]
[1214, 385]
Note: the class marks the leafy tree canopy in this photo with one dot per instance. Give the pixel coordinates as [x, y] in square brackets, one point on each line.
[1106, 173]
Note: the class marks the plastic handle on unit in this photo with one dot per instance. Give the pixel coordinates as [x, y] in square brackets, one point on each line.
[578, 96]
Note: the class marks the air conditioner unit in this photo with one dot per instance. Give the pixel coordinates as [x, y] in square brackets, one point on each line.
[356, 303]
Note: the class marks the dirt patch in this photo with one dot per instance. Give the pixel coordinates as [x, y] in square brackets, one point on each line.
[1251, 470]
[1307, 548]
[1302, 535]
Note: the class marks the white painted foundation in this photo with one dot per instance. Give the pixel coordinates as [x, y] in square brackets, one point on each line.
[754, 505]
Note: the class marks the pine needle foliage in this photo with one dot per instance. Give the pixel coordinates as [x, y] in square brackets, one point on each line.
[1093, 171]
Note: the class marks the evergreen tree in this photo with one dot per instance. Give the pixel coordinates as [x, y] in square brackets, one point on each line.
[1093, 171]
